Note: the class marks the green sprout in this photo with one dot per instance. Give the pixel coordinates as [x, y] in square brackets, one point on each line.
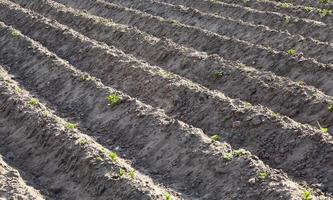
[14, 33]
[322, 129]
[168, 196]
[240, 153]
[113, 156]
[292, 52]
[70, 126]
[330, 108]
[324, 12]
[216, 137]
[217, 74]
[263, 176]
[308, 9]
[83, 142]
[33, 102]
[132, 174]
[325, 1]
[114, 99]
[122, 172]
[307, 195]
[228, 156]
[285, 5]
[98, 158]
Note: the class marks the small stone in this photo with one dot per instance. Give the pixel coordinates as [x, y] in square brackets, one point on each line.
[252, 180]
[236, 124]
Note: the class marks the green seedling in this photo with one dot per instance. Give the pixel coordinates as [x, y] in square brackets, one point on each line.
[168, 196]
[308, 9]
[292, 52]
[174, 22]
[285, 5]
[132, 174]
[14, 33]
[325, 1]
[240, 153]
[99, 159]
[322, 129]
[307, 195]
[122, 172]
[83, 142]
[263, 176]
[217, 74]
[324, 12]
[33, 102]
[330, 108]
[228, 157]
[216, 137]
[70, 126]
[45, 114]
[102, 150]
[287, 19]
[114, 99]
[113, 156]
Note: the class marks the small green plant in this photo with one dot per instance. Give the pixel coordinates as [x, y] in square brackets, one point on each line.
[102, 150]
[114, 99]
[70, 126]
[287, 19]
[263, 176]
[113, 156]
[216, 137]
[122, 172]
[14, 33]
[132, 174]
[307, 195]
[325, 1]
[168, 196]
[322, 129]
[83, 142]
[308, 9]
[228, 157]
[324, 12]
[285, 5]
[99, 159]
[292, 52]
[240, 153]
[330, 108]
[33, 102]
[45, 114]
[174, 22]
[217, 74]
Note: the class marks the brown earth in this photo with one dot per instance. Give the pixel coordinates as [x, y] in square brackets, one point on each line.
[165, 99]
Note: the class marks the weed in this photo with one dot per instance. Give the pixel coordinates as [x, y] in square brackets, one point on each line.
[322, 129]
[168, 196]
[33, 102]
[216, 137]
[330, 108]
[292, 52]
[285, 5]
[122, 172]
[307, 195]
[324, 12]
[308, 9]
[83, 142]
[132, 174]
[228, 156]
[325, 1]
[240, 153]
[70, 126]
[217, 74]
[98, 158]
[114, 99]
[263, 176]
[14, 33]
[113, 156]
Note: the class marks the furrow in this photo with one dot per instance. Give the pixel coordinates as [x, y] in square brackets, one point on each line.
[294, 25]
[262, 35]
[283, 94]
[13, 186]
[67, 162]
[279, 62]
[260, 125]
[177, 154]
[314, 13]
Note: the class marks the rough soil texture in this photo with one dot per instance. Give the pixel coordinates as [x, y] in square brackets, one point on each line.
[148, 99]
